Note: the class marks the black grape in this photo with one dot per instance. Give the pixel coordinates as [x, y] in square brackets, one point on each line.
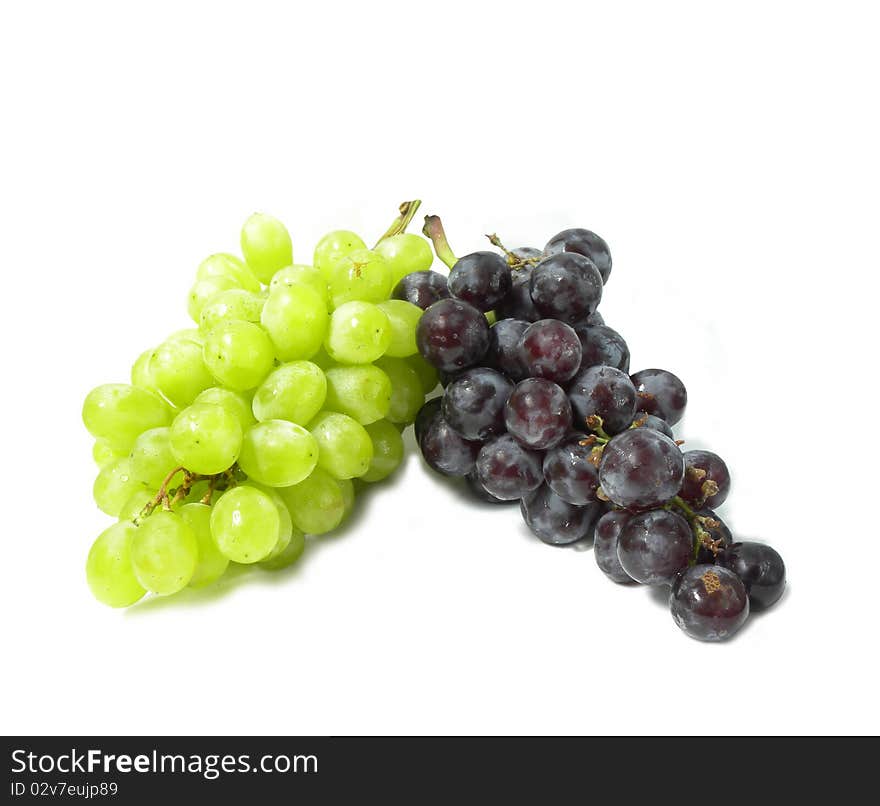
[503, 353]
[479, 491]
[654, 546]
[602, 345]
[445, 451]
[661, 393]
[473, 403]
[569, 472]
[585, 243]
[760, 568]
[556, 521]
[550, 349]
[653, 422]
[606, 392]
[538, 413]
[452, 335]
[700, 467]
[607, 535]
[481, 279]
[709, 602]
[427, 413]
[422, 288]
[508, 470]
[566, 286]
[641, 468]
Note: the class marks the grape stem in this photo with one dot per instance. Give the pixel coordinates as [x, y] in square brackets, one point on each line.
[512, 260]
[433, 230]
[168, 498]
[408, 211]
[698, 524]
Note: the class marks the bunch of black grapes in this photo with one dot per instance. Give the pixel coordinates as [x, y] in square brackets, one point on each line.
[541, 408]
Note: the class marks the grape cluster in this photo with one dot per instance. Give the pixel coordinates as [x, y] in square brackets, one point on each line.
[540, 407]
[237, 438]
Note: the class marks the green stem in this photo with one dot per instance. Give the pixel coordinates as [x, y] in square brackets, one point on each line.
[433, 230]
[408, 210]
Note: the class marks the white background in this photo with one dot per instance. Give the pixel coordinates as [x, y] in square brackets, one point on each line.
[728, 155]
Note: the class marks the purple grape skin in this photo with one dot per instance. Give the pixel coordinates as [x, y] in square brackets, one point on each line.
[606, 392]
[720, 533]
[660, 393]
[481, 279]
[550, 349]
[517, 304]
[602, 345]
[641, 468]
[566, 286]
[654, 546]
[652, 422]
[427, 413]
[526, 252]
[503, 352]
[608, 529]
[445, 451]
[715, 469]
[507, 470]
[422, 288]
[479, 491]
[709, 602]
[452, 335]
[594, 318]
[473, 403]
[585, 243]
[555, 521]
[760, 568]
[538, 413]
[569, 472]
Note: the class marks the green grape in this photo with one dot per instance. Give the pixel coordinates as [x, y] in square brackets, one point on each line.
[204, 290]
[285, 526]
[405, 253]
[301, 275]
[236, 303]
[152, 460]
[238, 354]
[407, 397]
[108, 568]
[292, 552]
[114, 485]
[293, 392]
[359, 333]
[387, 450]
[178, 371]
[164, 553]
[265, 244]
[278, 453]
[295, 317]
[323, 360]
[140, 372]
[236, 403]
[491, 318]
[103, 452]
[245, 524]
[362, 392]
[427, 373]
[118, 412]
[316, 504]
[333, 247]
[136, 503]
[225, 265]
[362, 275]
[347, 488]
[345, 449]
[211, 563]
[188, 334]
[404, 318]
[205, 439]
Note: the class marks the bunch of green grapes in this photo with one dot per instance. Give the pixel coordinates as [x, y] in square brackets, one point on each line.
[238, 437]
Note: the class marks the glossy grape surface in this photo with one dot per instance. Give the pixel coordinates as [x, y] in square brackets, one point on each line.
[709, 602]
[660, 393]
[474, 403]
[555, 521]
[508, 470]
[481, 279]
[715, 470]
[426, 414]
[422, 288]
[550, 349]
[517, 303]
[569, 471]
[641, 468]
[605, 392]
[452, 335]
[538, 413]
[653, 422]
[566, 286]
[503, 353]
[602, 345]
[605, 540]
[654, 546]
[583, 242]
[760, 568]
[475, 486]
[445, 450]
